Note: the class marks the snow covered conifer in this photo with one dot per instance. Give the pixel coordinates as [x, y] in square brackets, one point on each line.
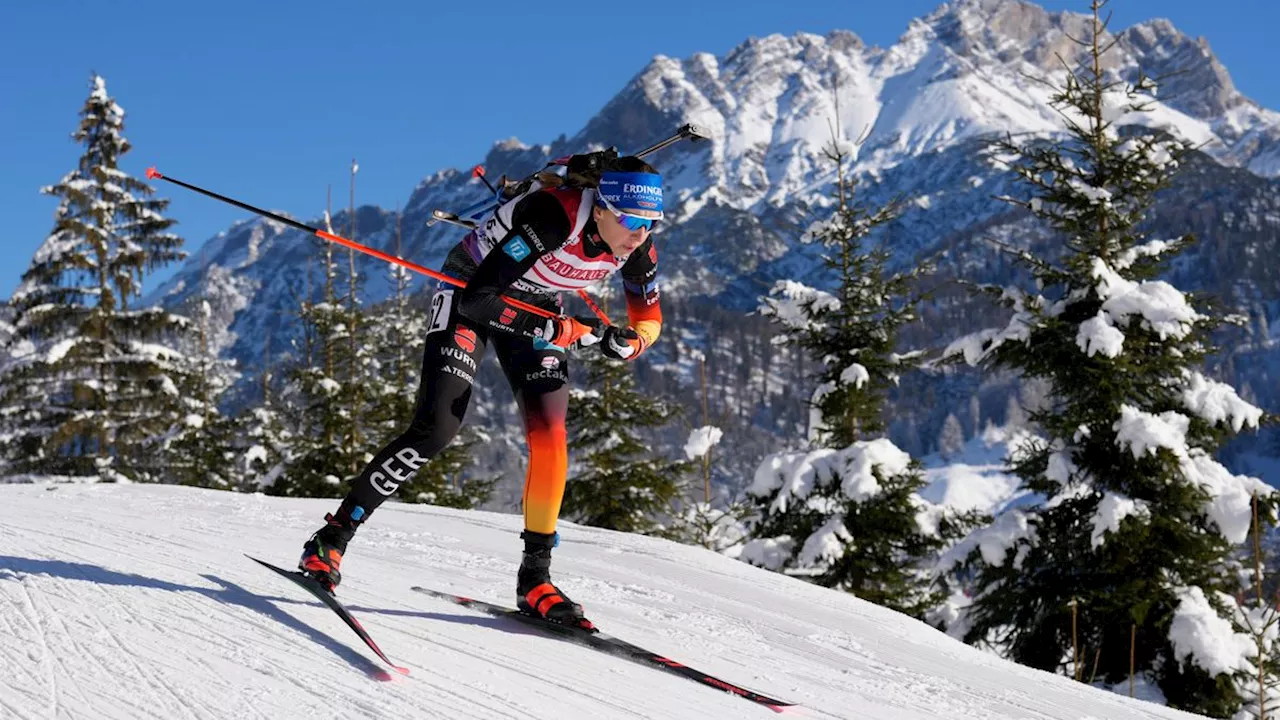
[951, 439]
[7, 349]
[616, 479]
[200, 447]
[1136, 522]
[92, 383]
[319, 392]
[1259, 680]
[351, 387]
[847, 514]
[396, 343]
[6, 328]
[265, 438]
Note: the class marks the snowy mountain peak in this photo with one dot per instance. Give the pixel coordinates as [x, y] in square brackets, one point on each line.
[959, 72]
[1001, 30]
[1192, 77]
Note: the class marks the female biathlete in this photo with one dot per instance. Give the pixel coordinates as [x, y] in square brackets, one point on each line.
[546, 241]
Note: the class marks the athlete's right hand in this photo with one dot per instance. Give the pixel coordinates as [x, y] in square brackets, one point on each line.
[564, 331]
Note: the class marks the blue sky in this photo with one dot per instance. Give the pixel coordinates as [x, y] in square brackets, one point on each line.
[269, 101]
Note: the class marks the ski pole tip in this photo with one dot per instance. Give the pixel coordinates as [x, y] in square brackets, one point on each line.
[696, 133]
[152, 173]
[477, 171]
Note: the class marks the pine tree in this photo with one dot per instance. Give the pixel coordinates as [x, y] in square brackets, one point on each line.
[396, 341]
[318, 395]
[1137, 520]
[8, 348]
[847, 515]
[265, 438]
[851, 332]
[1260, 620]
[951, 439]
[200, 447]
[617, 480]
[96, 384]
[352, 388]
[6, 329]
[1014, 416]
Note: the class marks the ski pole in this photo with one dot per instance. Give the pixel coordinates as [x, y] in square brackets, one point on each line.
[693, 132]
[153, 174]
[478, 172]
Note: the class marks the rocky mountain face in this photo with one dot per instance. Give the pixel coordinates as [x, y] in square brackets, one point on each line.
[924, 110]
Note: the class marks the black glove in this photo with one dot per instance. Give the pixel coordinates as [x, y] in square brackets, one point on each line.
[620, 343]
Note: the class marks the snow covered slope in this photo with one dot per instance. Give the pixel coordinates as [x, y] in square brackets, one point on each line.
[135, 602]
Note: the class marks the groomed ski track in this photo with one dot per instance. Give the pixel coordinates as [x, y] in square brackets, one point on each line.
[128, 602]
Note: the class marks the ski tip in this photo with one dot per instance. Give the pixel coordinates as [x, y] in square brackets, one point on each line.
[152, 173]
[477, 171]
[401, 670]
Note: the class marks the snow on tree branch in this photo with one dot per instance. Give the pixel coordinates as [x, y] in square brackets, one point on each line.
[1152, 249]
[993, 541]
[827, 544]
[794, 475]
[1229, 496]
[1209, 639]
[768, 553]
[792, 303]
[1111, 512]
[976, 347]
[701, 440]
[1098, 335]
[1163, 308]
[855, 375]
[1219, 403]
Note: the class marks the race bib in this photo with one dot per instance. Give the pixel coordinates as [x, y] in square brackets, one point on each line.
[441, 305]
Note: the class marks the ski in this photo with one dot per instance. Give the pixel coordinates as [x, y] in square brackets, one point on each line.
[326, 597]
[608, 644]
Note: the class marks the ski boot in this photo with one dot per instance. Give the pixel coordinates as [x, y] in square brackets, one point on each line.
[322, 554]
[535, 595]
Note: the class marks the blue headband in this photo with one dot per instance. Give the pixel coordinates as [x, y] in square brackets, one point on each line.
[633, 192]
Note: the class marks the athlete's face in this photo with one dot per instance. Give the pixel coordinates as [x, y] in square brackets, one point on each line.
[620, 240]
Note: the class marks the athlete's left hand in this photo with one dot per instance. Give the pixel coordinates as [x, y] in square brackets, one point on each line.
[620, 343]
